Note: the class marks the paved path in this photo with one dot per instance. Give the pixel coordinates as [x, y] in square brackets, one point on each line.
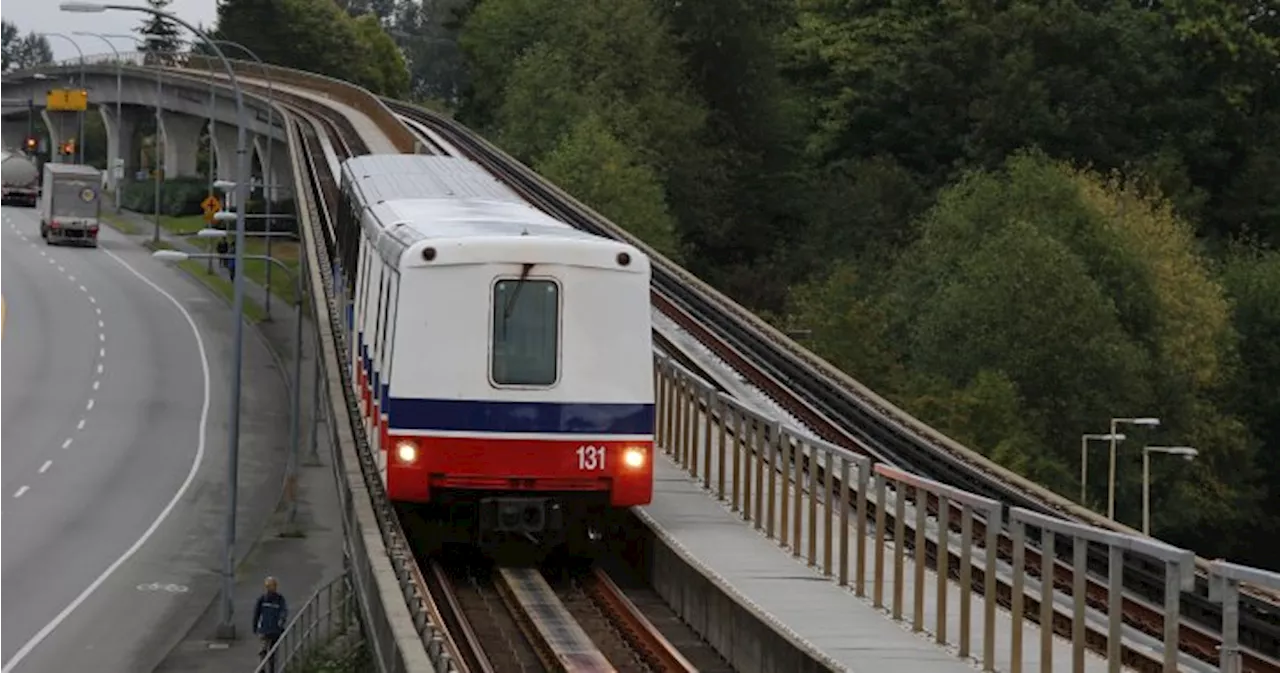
[300, 563]
[115, 451]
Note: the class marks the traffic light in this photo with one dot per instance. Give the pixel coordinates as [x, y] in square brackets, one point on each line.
[69, 147]
[31, 144]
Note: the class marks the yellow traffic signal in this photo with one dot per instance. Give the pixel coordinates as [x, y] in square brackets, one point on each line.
[31, 144]
[69, 147]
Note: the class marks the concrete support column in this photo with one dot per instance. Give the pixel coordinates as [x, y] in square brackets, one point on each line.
[62, 126]
[224, 150]
[181, 144]
[279, 174]
[119, 135]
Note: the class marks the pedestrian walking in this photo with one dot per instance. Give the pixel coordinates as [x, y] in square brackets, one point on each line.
[270, 614]
[222, 250]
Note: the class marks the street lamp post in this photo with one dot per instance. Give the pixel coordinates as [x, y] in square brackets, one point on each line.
[266, 171]
[119, 116]
[80, 116]
[291, 471]
[1084, 458]
[1111, 479]
[1186, 452]
[226, 627]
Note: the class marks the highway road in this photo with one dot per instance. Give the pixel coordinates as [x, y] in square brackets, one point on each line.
[114, 409]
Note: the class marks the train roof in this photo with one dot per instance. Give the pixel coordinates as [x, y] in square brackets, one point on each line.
[387, 177]
[412, 199]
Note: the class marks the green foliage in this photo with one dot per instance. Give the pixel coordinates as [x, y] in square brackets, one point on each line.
[596, 167]
[178, 196]
[162, 36]
[317, 36]
[22, 51]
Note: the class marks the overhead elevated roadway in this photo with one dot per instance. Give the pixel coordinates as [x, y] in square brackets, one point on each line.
[113, 408]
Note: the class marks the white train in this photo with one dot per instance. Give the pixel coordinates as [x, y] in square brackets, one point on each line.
[504, 358]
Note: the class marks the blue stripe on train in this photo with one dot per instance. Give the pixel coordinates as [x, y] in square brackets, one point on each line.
[534, 417]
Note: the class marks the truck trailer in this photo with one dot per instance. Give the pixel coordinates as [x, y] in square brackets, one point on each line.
[70, 204]
[21, 179]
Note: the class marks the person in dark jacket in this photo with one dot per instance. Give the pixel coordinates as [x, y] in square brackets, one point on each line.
[223, 249]
[270, 614]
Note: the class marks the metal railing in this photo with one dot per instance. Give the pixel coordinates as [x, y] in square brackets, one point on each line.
[403, 636]
[1224, 587]
[814, 499]
[328, 614]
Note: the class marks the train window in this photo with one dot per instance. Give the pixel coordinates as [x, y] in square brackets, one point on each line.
[526, 333]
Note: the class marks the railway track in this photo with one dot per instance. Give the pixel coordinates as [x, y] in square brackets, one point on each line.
[561, 619]
[838, 415]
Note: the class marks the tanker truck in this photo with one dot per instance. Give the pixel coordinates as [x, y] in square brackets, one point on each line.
[21, 179]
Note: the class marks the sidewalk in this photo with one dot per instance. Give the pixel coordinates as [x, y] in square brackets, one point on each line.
[302, 563]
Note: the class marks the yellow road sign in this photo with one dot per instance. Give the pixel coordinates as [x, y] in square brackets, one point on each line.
[73, 100]
[211, 206]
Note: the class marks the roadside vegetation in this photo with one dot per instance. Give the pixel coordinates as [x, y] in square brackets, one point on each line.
[1014, 220]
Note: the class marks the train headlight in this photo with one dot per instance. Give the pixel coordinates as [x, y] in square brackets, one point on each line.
[406, 451]
[633, 458]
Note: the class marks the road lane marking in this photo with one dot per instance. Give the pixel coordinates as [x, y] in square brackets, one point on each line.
[22, 490]
[89, 406]
[80, 425]
[66, 442]
[102, 352]
[99, 368]
[49, 628]
[100, 325]
[96, 384]
[45, 468]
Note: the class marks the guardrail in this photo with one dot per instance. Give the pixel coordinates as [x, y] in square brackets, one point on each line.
[785, 484]
[400, 621]
[328, 614]
[344, 92]
[1224, 587]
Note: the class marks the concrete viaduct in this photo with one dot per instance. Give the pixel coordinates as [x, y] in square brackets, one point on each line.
[189, 106]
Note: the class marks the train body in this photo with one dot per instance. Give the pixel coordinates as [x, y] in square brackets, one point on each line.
[504, 358]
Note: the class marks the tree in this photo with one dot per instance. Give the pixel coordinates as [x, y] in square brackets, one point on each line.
[163, 41]
[599, 170]
[387, 72]
[23, 51]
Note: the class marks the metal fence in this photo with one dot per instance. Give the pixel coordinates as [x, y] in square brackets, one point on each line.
[329, 614]
[815, 499]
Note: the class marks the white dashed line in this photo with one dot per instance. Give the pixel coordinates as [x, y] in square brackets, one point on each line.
[71, 278]
[44, 254]
[80, 425]
[91, 299]
[102, 352]
[66, 443]
[98, 309]
[99, 368]
[45, 468]
[22, 490]
[62, 268]
[96, 384]
[102, 337]
[100, 324]
[89, 406]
